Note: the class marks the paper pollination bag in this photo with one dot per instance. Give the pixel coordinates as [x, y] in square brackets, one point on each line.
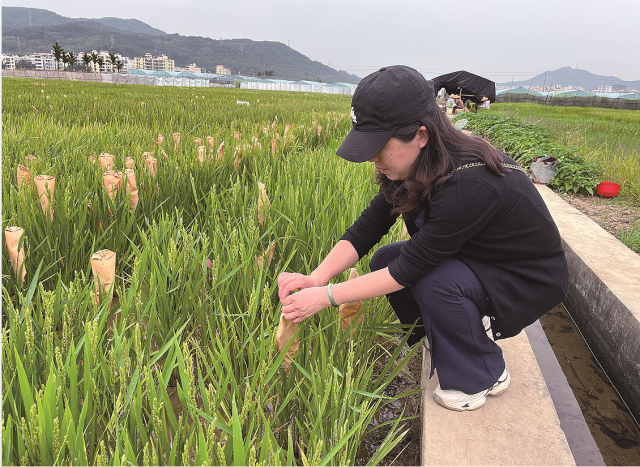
[349, 310]
[132, 188]
[12, 237]
[220, 153]
[265, 258]
[112, 182]
[197, 141]
[106, 161]
[286, 330]
[263, 204]
[45, 184]
[31, 159]
[211, 142]
[273, 146]
[236, 134]
[201, 152]
[103, 265]
[152, 165]
[24, 176]
[128, 162]
[160, 139]
[237, 162]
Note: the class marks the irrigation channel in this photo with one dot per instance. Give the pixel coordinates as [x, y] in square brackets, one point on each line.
[598, 426]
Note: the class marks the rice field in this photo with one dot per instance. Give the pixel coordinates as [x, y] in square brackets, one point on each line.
[139, 291]
[607, 137]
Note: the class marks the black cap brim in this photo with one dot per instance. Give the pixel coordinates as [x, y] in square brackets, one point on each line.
[361, 146]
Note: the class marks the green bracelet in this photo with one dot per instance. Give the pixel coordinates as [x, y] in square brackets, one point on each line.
[333, 302]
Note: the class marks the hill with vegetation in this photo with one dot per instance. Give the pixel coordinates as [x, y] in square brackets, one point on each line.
[19, 17]
[241, 56]
[567, 76]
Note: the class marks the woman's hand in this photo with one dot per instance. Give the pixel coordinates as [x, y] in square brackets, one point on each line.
[288, 282]
[307, 302]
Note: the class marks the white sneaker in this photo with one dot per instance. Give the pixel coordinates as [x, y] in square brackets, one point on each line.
[459, 401]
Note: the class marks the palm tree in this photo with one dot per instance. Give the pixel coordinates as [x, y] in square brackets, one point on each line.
[94, 59]
[72, 59]
[112, 59]
[65, 60]
[119, 65]
[86, 58]
[100, 62]
[58, 52]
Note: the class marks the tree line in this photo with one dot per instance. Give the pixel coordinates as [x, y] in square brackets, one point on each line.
[70, 59]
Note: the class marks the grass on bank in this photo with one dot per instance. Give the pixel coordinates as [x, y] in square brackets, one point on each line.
[608, 137]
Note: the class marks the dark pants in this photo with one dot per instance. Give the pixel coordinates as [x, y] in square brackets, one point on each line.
[449, 303]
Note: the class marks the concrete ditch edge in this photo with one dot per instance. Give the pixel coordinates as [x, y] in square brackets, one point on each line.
[604, 295]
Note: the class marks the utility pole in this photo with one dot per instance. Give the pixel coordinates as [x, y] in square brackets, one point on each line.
[544, 82]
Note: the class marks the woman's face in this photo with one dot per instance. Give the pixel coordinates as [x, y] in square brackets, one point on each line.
[396, 158]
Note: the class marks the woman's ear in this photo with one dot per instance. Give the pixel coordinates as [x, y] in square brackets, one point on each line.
[423, 136]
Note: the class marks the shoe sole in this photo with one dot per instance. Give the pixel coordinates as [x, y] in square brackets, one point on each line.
[458, 408]
[495, 391]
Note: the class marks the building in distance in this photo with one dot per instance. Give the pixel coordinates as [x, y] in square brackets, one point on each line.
[149, 62]
[221, 70]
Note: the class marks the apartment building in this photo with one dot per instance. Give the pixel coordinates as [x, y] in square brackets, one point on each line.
[149, 62]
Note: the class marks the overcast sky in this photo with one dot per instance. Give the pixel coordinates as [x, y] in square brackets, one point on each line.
[499, 39]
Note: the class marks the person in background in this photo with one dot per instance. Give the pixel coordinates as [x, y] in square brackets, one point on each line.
[483, 244]
[486, 103]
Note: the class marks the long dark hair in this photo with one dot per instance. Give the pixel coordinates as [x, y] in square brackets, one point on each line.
[446, 149]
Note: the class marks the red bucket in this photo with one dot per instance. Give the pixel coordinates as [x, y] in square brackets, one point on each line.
[608, 189]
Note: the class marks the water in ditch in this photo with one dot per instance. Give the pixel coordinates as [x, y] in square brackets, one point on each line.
[597, 423]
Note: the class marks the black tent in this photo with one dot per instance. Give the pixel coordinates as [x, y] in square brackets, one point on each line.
[473, 87]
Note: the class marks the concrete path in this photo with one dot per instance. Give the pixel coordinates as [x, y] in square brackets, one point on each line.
[518, 427]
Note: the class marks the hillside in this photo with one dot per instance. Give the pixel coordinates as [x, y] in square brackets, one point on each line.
[568, 76]
[19, 17]
[241, 56]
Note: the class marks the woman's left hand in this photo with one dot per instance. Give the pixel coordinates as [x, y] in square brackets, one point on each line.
[300, 305]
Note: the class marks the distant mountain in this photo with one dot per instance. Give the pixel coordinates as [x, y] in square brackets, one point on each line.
[241, 56]
[19, 17]
[568, 76]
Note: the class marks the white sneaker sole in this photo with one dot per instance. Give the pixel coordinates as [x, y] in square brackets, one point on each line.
[496, 390]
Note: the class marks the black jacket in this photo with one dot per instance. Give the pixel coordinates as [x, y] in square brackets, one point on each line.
[499, 226]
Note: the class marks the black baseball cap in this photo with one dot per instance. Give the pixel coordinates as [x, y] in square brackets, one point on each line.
[387, 99]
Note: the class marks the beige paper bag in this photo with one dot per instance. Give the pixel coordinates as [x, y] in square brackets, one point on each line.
[103, 265]
[106, 161]
[197, 141]
[220, 152]
[404, 232]
[164, 154]
[160, 139]
[263, 204]
[273, 147]
[201, 150]
[152, 164]
[132, 188]
[319, 130]
[236, 134]
[31, 159]
[265, 258]
[349, 310]
[286, 329]
[24, 175]
[92, 159]
[176, 137]
[112, 182]
[265, 130]
[237, 163]
[12, 237]
[128, 162]
[44, 182]
[211, 142]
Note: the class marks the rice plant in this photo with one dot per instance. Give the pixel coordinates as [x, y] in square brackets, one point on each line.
[180, 368]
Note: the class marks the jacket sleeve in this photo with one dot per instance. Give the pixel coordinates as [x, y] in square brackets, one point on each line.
[373, 224]
[458, 211]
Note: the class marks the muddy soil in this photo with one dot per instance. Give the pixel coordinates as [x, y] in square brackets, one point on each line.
[407, 452]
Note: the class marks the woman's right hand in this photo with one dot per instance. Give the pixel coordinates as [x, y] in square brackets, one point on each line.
[288, 282]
